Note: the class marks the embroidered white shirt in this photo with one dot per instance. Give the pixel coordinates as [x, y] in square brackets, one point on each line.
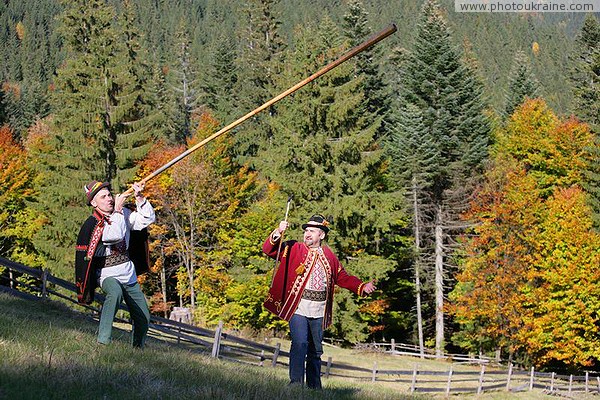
[317, 281]
[118, 230]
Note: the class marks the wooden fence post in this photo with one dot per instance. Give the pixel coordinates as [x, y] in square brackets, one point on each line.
[178, 334]
[328, 368]
[510, 366]
[276, 354]
[587, 381]
[531, 378]
[449, 381]
[480, 388]
[44, 283]
[552, 383]
[393, 345]
[374, 375]
[414, 380]
[262, 358]
[598, 379]
[217, 343]
[570, 383]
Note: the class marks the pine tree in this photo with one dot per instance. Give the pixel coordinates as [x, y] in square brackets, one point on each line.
[449, 96]
[585, 79]
[585, 74]
[259, 63]
[324, 152]
[99, 129]
[415, 159]
[368, 63]
[183, 81]
[522, 83]
[220, 79]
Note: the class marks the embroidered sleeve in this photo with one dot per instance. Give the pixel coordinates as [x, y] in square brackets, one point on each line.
[360, 289]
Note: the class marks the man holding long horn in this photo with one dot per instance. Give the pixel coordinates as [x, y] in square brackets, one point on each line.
[105, 257]
[302, 293]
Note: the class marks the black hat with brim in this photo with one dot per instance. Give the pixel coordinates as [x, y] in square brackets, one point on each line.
[317, 221]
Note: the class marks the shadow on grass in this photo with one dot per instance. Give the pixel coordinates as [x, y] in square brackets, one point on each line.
[49, 351]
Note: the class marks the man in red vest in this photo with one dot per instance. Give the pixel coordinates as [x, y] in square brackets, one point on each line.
[302, 293]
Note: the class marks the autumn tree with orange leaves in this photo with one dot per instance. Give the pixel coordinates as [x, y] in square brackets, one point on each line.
[212, 216]
[17, 220]
[529, 284]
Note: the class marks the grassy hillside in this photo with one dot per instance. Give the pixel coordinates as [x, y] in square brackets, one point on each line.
[48, 351]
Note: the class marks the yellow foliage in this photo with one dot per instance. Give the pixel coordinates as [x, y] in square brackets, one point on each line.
[535, 48]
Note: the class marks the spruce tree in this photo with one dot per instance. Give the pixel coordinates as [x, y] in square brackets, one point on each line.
[259, 64]
[415, 161]
[132, 117]
[368, 63]
[99, 128]
[446, 90]
[522, 83]
[183, 82]
[585, 80]
[585, 73]
[324, 152]
[220, 79]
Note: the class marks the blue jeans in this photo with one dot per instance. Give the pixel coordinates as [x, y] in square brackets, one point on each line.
[307, 346]
[138, 309]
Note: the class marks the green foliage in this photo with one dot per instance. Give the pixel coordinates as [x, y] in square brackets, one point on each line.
[585, 78]
[220, 79]
[259, 62]
[439, 142]
[99, 128]
[244, 307]
[585, 73]
[368, 64]
[521, 83]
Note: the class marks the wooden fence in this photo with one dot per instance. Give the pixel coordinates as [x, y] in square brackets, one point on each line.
[229, 347]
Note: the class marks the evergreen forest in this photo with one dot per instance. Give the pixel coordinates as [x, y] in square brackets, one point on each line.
[457, 159]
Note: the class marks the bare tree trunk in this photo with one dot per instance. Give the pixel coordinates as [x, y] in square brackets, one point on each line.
[439, 283]
[417, 228]
[191, 268]
[163, 287]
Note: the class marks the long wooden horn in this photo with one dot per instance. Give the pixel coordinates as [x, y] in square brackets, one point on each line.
[354, 51]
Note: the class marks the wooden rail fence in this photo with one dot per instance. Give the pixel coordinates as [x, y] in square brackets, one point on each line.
[225, 346]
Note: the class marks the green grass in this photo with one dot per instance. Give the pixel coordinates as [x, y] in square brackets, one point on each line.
[48, 351]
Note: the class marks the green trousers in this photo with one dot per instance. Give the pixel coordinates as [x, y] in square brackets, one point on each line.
[115, 292]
